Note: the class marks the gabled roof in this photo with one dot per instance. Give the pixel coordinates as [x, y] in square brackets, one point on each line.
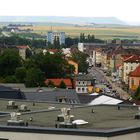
[57, 82]
[53, 95]
[124, 57]
[136, 72]
[133, 58]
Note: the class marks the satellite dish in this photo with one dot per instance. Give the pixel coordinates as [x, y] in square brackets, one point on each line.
[79, 122]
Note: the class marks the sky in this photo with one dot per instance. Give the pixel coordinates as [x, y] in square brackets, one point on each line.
[126, 10]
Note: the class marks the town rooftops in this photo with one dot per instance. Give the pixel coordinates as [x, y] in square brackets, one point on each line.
[136, 72]
[133, 59]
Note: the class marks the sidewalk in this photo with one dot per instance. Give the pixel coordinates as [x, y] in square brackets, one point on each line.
[123, 94]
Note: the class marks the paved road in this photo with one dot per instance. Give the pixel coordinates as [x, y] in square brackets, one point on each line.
[101, 76]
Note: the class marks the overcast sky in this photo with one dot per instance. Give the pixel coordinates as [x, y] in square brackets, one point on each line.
[127, 10]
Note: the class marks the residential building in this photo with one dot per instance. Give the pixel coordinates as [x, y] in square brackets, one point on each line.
[66, 52]
[129, 65]
[84, 83]
[98, 57]
[56, 34]
[22, 51]
[119, 71]
[134, 79]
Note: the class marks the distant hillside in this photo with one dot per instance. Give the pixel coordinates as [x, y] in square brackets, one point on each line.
[59, 19]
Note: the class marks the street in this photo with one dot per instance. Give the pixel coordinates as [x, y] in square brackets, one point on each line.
[101, 78]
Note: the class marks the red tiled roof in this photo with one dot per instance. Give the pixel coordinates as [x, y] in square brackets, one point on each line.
[23, 47]
[126, 56]
[136, 72]
[133, 58]
[57, 82]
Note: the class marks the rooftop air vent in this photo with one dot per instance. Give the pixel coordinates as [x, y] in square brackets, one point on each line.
[65, 119]
[23, 108]
[12, 105]
[15, 120]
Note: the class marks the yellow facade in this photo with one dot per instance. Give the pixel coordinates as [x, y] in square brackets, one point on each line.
[90, 89]
[75, 66]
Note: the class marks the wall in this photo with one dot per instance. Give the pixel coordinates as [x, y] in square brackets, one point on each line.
[38, 133]
[133, 136]
[39, 136]
[136, 82]
[130, 67]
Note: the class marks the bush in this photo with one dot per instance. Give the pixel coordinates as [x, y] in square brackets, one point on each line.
[11, 79]
[137, 94]
[62, 85]
[50, 84]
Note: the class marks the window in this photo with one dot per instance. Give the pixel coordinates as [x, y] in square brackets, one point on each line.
[132, 82]
[78, 89]
[83, 89]
[131, 68]
[126, 67]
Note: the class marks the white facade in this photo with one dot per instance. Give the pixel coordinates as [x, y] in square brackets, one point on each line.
[81, 47]
[98, 57]
[82, 86]
[127, 68]
[66, 51]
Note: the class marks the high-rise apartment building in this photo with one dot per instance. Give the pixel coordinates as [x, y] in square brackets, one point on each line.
[56, 34]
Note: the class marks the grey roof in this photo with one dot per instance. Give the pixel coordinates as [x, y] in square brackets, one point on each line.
[10, 93]
[53, 95]
[103, 117]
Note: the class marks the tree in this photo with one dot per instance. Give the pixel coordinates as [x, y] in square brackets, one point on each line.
[9, 61]
[50, 84]
[11, 79]
[20, 74]
[28, 53]
[53, 65]
[34, 78]
[81, 59]
[137, 94]
[82, 37]
[62, 85]
[56, 42]
[70, 41]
